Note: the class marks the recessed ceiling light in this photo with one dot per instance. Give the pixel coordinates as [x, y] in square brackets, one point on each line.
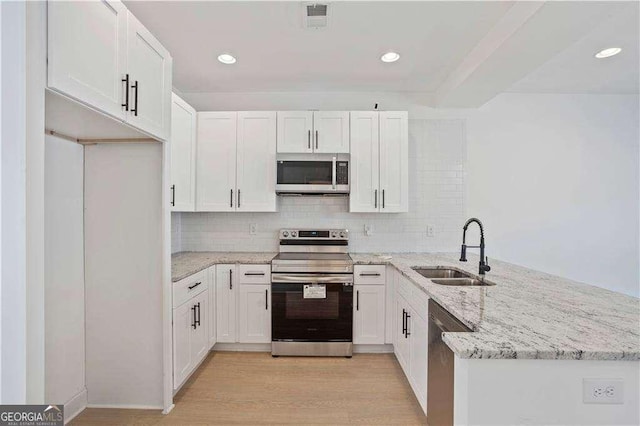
[608, 52]
[225, 58]
[390, 57]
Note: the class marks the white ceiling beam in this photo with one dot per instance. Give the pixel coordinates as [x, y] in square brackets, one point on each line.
[528, 35]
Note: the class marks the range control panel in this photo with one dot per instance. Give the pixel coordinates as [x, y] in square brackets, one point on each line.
[314, 234]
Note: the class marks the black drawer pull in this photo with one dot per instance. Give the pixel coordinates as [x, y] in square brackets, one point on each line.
[358, 300]
[406, 333]
[136, 86]
[198, 320]
[370, 274]
[404, 323]
[230, 279]
[191, 287]
[193, 324]
[173, 195]
[126, 91]
[266, 299]
[254, 274]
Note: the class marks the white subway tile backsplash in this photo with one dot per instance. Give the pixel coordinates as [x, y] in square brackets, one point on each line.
[437, 156]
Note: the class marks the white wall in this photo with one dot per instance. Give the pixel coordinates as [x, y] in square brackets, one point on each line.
[541, 392]
[554, 178]
[124, 275]
[436, 197]
[13, 289]
[64, 275]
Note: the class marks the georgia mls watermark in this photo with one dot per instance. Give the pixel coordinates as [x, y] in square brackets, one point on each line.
[31, 415]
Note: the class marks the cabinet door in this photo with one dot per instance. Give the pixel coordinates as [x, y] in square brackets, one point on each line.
[418, 338]
[394, 158]
[226, 308]
[369, 315]
[294, 131]
[149, 65]
[401, 346]
[200, 334]
[331, 132]
[182, 326]
[254, 313]
[212, 306]
[364, 180]
[87, 43]
[256, 162]
[216, 162]
[183, 155]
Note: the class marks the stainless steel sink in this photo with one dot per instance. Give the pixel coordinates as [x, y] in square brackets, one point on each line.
[441, 273]
[467, 282]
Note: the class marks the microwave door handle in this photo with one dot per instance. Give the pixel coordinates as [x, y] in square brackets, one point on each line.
[333, 172]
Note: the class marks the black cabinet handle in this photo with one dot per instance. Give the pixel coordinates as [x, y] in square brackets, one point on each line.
[230, 279]
[173, 195]
[231, 199]
[191, 287]
[126, 93]
[136, 86]
[375, 198]
[266, 299]
[404, 323]
[316, 139]
[198, 320]
[309, 139]
[370, 274]
[357, 300]
[383, 198]
[254, 274]
[193, 310]
[238, 198]
[406, 333]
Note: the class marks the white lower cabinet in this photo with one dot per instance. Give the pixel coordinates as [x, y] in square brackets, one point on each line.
[410, 338]
[211, 272]
[226, 289]
[190, 336]
[369, 315]
[254, 313]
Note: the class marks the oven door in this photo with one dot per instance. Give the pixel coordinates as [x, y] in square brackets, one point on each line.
[312, 308]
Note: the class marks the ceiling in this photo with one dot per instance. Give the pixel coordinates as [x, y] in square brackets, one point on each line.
[465, 52]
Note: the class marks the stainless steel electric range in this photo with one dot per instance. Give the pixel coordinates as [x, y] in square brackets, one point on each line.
[312, 294]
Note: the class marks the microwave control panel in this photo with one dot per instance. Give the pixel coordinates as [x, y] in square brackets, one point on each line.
[342, 172]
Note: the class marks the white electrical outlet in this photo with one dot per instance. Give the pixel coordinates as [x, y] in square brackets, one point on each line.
[368, 230]
[431, 231]
[253, 229]
[602, 391]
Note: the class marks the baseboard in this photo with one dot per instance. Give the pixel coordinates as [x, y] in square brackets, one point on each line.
[242, 347]
[75, 406]
[266, 347]
[127, 406]
[372, 349]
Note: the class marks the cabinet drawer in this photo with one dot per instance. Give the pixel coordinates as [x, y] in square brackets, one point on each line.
[254, 274]
[191, 286]
[369, 274]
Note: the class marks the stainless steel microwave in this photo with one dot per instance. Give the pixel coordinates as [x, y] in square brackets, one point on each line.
[313, 175]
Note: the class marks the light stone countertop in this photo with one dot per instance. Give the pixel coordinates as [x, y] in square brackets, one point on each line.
[526, 315]
[187, 263]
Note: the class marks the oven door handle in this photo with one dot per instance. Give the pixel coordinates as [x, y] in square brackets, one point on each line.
[314, 279]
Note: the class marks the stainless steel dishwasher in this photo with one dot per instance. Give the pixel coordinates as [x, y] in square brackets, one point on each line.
[440, 366]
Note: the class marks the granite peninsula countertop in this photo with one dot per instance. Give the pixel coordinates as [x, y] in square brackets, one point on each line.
[527, 315]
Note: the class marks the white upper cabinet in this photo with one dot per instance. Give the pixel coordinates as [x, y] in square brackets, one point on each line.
[331, 132]
[183, 156]
[394, 162]
[379, 162]
[100, 55]
[216, 161]
[149, 65]
[301, 132]
[256, 162]
[295, 131]
[87, 52]
[365, 162]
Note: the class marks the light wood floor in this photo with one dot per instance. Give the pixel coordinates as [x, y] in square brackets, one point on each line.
[254, 388]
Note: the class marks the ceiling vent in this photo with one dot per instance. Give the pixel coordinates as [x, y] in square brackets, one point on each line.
[315, 15]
